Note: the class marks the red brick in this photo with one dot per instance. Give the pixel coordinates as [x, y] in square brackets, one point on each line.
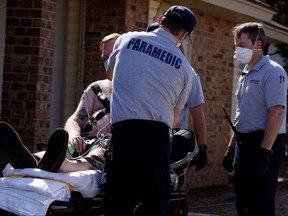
[21, 77]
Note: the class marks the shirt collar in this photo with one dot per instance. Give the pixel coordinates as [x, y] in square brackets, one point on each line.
[165, 33]
[263, 60]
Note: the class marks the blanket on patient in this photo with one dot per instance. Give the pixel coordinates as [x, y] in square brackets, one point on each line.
[33, 194]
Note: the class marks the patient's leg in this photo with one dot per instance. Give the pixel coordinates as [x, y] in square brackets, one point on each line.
[69, 165]
[74, 165]
[96, 157]
[13, 148]
[93, 160]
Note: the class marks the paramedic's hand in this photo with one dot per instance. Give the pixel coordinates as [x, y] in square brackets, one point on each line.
[200, 160]
[228, 159]
[77, 143]
[262, 161]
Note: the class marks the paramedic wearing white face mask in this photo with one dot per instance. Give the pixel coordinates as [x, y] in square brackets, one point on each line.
[244, 55]
[256, 151]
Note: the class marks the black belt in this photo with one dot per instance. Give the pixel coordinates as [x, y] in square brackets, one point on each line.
[256, 136]
[139, 123]
[250, 136]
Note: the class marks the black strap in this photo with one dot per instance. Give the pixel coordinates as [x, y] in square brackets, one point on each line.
[105, 102]
[101, 96]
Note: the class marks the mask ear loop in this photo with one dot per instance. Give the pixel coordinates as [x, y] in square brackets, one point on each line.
[256, 39]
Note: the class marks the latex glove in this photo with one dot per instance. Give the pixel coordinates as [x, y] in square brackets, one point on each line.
[262, 161]
[228, 159]
[200, 160]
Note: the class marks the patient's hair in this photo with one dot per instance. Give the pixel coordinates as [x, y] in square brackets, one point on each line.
[108, 38]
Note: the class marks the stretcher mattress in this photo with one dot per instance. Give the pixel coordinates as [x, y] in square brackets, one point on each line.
[31, 191]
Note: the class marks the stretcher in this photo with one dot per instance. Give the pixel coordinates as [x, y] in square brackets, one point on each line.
[38, 192]
[31, 191]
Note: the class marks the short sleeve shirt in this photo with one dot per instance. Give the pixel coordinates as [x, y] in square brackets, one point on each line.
[260, 89]
[195, 98]
[151, 76]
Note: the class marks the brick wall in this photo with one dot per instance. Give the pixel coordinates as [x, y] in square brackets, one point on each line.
[28, 69]
[102, 19]
[27, 75]
[212, 59]
[212, 52]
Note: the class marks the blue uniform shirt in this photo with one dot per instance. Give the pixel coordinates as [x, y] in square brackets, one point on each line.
[263, 87]
[195, 98]
[151, 77]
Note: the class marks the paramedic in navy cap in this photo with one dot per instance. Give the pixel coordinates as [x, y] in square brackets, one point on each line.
[151, 83]
[183, 17]
[195, 105]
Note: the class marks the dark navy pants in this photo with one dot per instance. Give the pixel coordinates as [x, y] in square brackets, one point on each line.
[255, 194]
[139, 169]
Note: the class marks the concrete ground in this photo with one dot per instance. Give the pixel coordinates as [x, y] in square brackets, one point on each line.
[219, 200]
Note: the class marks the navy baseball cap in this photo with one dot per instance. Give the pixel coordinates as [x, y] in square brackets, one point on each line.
[183, 17]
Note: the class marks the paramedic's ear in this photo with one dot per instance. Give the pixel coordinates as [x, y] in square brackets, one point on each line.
[109, 74]
[160, 19]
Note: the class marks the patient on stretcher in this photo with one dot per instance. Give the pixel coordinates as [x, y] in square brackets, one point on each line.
[68, 149]
[30, 183]
[53, 159]
[90, 121]
[68, 156]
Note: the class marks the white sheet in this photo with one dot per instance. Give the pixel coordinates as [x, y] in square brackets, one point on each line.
[32, 196]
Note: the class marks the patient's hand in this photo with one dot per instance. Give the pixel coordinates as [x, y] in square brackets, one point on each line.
[77, 143]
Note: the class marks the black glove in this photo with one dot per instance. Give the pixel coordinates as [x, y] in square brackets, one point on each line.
[262, 161]
[228, 159]
[200, 160]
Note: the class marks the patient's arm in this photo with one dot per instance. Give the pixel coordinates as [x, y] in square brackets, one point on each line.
[76, 121]
[88, 105]
[75, 140]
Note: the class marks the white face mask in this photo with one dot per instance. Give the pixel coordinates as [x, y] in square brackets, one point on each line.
[243, 55]
[185, 41]
[106, 64]
[178, 43]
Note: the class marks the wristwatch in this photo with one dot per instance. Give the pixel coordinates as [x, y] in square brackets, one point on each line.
[202, 147]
